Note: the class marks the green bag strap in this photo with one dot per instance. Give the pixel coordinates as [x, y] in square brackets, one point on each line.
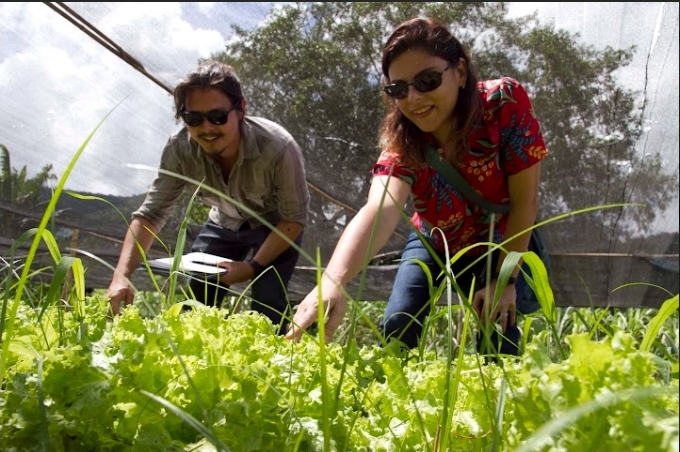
[453, 176]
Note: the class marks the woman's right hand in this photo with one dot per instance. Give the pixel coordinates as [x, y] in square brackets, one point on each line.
[334, 306]
[356, 245]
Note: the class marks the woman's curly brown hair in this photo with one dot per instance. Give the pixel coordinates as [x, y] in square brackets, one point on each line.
[397, 133]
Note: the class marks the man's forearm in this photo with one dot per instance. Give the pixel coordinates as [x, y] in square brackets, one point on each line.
[274, 244]
[140, 234]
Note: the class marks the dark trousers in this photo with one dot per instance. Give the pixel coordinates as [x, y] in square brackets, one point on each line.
[408, 304]
[268, 293]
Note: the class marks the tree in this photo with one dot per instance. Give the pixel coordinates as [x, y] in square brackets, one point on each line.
[16, 187]
[315, 68]
[19, 190]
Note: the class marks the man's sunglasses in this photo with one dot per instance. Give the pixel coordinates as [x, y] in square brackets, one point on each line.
[217, 117]
[424, 82]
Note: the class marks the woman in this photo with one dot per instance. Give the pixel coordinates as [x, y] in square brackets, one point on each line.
[487, 130]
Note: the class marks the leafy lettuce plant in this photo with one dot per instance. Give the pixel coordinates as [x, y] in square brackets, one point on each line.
[182, 379]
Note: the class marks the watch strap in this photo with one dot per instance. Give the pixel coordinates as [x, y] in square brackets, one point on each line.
[256, 266]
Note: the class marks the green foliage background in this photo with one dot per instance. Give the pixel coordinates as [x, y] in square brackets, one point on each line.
[315, 67]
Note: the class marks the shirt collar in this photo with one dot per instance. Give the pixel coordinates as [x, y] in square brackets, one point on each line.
[248, 147]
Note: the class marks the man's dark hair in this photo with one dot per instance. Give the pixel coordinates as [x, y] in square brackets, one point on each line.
[209, 74]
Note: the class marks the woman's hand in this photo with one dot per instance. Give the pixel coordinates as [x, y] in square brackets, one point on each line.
[505, 312]
[334, 306]
[356, 246]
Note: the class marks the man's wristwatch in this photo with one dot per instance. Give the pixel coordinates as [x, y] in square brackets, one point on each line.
[257, 267]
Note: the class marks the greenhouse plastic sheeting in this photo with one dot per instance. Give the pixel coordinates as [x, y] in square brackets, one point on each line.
[68, 69]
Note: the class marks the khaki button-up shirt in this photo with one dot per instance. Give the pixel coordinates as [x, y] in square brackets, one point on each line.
[268, 179]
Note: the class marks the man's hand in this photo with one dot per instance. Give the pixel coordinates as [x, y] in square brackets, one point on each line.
[334, 305]
[504, 312]
[237, 271]
[141, 233]
[120, 295]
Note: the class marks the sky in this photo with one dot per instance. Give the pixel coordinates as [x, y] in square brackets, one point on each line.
[57, 84]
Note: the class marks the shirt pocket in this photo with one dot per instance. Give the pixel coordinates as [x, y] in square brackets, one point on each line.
[208, 198]
[257, 193]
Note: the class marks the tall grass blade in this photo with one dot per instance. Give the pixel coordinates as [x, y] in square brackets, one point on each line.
[623, 286]
[497, 438]
[323, 375]
[44, 428]
[526, 330]
[189, 420]
[540, 284]
[449, 397]
[102, 261]
[669, 307]
[179, 251]
[61, 272]
[553, 428]
[9, 322]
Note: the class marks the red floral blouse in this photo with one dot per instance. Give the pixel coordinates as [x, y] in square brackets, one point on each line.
[508, 141]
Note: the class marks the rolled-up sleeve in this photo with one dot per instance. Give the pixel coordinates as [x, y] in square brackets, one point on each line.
[164, 191]
[291, 191]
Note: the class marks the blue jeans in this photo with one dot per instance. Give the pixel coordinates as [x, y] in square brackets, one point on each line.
[268, 291]
[409, 302]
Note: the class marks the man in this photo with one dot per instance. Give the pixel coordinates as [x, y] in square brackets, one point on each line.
[256, 163]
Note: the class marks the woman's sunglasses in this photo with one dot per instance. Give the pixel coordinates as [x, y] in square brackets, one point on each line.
[424, 82]
[217, 117]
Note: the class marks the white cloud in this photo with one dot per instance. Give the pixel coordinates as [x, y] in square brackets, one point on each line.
[158, 35]
[205, 7]
[57, 84]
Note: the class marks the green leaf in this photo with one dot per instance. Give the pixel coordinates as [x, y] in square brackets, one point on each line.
[553, 428]
[189, 420]
[668, 308]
